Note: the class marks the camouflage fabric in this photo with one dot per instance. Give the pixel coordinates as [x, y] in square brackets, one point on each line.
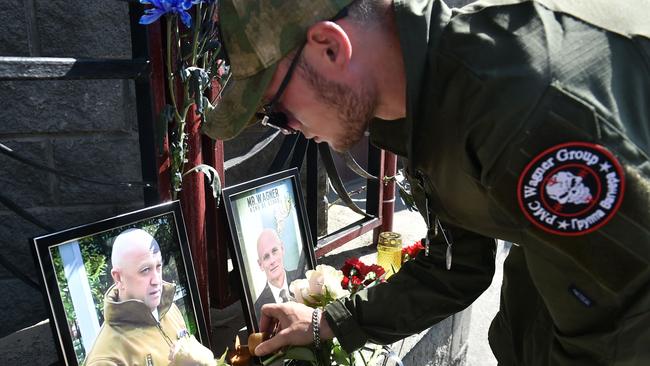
[256, 35]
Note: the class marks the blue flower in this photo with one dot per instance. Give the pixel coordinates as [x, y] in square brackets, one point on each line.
[161, 7]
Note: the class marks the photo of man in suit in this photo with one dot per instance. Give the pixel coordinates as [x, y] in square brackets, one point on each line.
[270, 258]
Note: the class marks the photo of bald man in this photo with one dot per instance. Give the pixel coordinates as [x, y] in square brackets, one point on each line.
[270, 258]
[141, 321]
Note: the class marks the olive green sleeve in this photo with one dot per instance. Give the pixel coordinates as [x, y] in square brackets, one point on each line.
[421, 294]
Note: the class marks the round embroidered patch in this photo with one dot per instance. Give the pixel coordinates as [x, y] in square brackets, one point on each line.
[571, 189]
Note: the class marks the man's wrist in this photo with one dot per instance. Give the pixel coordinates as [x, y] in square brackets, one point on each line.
[325, 329]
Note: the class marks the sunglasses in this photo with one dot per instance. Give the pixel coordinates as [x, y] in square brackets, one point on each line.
[271, 117]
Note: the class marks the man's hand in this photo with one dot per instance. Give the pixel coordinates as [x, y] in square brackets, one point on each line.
[295, 327]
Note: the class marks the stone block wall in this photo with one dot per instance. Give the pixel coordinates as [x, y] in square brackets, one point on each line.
[86, 128]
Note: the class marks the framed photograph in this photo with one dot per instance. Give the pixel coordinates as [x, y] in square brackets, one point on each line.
[271, 239]
[122, 290]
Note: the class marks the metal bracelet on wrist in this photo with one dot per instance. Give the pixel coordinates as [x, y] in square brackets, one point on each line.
[315, 323]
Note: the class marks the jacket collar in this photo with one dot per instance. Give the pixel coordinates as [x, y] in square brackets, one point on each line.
[135, 311]
[419, 26]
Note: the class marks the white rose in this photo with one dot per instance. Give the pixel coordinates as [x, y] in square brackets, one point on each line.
[331, 280]
[300, 290]
[335, 289]
[316, 282]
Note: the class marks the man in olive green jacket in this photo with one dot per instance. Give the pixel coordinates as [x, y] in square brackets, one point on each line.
[527, 121]
[141, 322]
[131, 335]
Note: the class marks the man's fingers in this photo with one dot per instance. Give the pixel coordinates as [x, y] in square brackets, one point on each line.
[272, 310]
[270, 313]
[294, 321]
[273, 344]
[266, 323]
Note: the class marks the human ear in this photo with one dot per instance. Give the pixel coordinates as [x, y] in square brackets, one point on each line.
[328, 45]
[117, 277]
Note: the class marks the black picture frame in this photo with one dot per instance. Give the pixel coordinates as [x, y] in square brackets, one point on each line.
[70, 263]
[271, 202]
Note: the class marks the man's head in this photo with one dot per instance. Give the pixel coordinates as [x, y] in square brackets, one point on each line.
[330, 95]
[270, 257]
[137, 267]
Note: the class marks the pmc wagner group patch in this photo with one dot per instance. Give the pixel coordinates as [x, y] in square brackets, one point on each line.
[571, 189]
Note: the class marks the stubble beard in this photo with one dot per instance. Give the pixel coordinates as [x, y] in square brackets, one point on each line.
[355, 108]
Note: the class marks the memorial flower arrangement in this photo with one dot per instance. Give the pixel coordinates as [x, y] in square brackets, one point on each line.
[411, 251]
[319, 288]
[357, 275]
[191, 65]
[326, 284]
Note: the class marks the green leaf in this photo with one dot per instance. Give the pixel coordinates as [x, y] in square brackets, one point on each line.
[165, 117]
[340, 356]
[221, 361]
[300, 353]
[198, 80]
[212, 176]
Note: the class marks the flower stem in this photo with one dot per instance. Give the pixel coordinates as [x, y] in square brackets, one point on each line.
[170, 70]
[177, 149]
[187, 101]
[197, 31]
[276, 356]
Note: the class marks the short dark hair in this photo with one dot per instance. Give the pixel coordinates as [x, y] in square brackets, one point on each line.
[365, 11]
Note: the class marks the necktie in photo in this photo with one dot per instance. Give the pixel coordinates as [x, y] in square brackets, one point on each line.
[284, 295]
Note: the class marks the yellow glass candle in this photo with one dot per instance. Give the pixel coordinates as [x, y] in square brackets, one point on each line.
[389, 252]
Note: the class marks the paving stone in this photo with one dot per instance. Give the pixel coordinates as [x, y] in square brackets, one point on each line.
[461, 324]
[431, 347]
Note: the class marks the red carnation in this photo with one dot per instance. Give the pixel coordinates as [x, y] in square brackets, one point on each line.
[411, 251]
[416, 248]
[353, 264]
[377, 269]
[345, 282]
[356, 281]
